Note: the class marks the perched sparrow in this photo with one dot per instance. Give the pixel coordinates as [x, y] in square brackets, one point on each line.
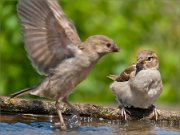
[139, 85]
[56, 50]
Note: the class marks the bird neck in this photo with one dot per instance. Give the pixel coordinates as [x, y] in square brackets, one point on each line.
[156, 67]
[93, 56]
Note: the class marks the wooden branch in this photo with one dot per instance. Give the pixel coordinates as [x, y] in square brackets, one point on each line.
[17, 105]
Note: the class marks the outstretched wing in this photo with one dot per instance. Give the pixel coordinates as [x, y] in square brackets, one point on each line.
[48, 35]
[124, 76]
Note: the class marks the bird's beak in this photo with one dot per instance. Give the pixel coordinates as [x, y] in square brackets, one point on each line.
[139, 67]
[115, 48]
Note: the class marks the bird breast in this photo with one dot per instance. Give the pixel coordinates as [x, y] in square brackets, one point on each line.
[64, 78]
[146, 87]
[141, 90]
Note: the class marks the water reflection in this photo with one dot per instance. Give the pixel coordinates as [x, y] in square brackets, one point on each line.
[43, 124]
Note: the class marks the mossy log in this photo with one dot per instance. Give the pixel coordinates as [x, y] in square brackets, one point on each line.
[18, 105]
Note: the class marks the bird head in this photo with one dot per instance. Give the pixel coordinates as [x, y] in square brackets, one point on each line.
[101, 44]
[147, 60]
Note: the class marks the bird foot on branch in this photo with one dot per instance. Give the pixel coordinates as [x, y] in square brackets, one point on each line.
[155, 114]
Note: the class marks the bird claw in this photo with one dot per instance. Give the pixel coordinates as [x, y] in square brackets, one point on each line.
[124, 114]
[155, 114]
[62, 125]
[74, 122]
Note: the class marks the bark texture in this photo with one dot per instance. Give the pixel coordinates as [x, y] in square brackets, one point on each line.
[18, 105]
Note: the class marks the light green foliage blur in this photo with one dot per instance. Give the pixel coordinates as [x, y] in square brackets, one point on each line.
[132, 24]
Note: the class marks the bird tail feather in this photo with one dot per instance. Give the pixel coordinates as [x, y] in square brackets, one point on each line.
[21, 92]
[112, 77]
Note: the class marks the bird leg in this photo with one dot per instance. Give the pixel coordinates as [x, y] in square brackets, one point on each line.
[155, 113]
[62, 123]
[123, 112]
[75, 120]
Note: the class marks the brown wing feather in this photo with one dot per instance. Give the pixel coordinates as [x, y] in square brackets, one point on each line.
[124, 76]
[47, 33]
[63, 21]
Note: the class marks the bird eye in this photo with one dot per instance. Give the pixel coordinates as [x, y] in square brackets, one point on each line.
[149, 58]
[108, 45]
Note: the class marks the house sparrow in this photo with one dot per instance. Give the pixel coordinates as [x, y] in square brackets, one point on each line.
[140, 84]
[56, 50]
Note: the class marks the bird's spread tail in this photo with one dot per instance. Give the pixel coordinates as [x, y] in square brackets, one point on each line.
[21, 92]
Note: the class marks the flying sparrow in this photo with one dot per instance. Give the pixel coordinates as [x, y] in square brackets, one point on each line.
[140, 84]
[56, 51]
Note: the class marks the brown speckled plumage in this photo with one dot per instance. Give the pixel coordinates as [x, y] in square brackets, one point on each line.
[124, 76]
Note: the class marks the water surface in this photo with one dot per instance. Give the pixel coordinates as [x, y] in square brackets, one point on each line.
[29, 124]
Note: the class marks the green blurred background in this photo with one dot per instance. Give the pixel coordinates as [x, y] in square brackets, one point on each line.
[132, 24]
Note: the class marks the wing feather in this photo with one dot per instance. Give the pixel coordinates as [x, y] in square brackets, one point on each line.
[47, 33]
[124, 76]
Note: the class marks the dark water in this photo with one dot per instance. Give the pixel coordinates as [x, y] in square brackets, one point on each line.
[42, 124]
